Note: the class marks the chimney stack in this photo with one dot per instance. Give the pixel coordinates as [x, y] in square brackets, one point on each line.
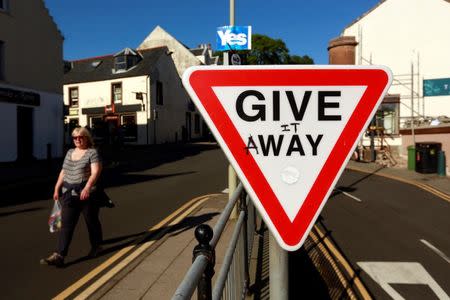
[341, 50]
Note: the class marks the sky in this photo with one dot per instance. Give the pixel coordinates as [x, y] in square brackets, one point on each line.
[99, 27]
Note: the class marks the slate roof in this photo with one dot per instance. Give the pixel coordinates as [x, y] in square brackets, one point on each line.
[88, 70]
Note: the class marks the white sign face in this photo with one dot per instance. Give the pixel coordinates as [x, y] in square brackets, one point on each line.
[287, 131]
[290, 150]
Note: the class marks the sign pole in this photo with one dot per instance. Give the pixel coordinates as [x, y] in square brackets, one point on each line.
[232, 177]
[278, 271]
[231, 12]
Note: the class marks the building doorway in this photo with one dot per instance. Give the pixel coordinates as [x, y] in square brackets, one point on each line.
[112, 129]
[24, 133]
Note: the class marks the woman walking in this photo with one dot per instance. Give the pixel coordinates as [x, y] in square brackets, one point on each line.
[77, 182]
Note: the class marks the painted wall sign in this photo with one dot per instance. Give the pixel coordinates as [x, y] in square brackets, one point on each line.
[19, 97]
[436, 87]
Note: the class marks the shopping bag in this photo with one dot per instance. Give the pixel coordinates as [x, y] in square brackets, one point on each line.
[54, 221]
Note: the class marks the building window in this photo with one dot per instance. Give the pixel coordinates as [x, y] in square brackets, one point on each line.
[128, 129]
[196, 123]
[387, 117]
[120, 63]
[2, 59]
[132, 60]
[116, 89]
[98, 128]
[73, 97]
[126, 59]
[159, 93]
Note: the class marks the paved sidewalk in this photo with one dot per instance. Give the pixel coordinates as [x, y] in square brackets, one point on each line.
[157, 273]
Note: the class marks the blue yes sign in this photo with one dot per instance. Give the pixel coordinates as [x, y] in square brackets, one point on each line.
[234, 38]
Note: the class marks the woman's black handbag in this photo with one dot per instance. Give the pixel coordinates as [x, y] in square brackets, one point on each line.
[103, 199]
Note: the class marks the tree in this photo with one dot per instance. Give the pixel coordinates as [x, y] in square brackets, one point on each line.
[300, 60]
[268, 51]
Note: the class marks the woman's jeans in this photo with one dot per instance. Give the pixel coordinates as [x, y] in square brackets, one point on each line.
[72, 207]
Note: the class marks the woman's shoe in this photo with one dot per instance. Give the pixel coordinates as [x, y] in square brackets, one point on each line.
[55, 259]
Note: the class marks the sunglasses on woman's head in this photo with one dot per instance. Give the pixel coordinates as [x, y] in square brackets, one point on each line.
[78, 137]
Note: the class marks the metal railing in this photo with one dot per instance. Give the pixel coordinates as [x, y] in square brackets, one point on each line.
[233, 278]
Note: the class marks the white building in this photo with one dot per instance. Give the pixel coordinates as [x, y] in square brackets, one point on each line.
[204, 53]
[136, 96]
[411, 37]
[31, 72]
[183, 57]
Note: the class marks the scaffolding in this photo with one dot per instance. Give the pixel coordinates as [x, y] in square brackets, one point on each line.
[380, 151]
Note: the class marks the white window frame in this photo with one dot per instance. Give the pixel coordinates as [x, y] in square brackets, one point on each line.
[71, 98]
[113, 92]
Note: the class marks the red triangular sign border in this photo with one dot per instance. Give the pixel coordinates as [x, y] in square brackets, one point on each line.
[199, 82]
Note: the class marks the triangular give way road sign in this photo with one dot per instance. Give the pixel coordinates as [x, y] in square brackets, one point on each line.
[288, 131]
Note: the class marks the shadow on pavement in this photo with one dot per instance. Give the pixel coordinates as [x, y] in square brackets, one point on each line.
[305, 281]
[139, 158]
[142, 237]
[41, 192]
[312, 270]
[116, 179]
[19, 211]
[24, 183]
[122, 238]
[190, 223]
[350, 188]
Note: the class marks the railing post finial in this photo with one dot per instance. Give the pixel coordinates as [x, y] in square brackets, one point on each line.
[204, 234]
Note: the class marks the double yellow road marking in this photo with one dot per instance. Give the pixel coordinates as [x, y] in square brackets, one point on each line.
[168, 222]
[325, 246]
